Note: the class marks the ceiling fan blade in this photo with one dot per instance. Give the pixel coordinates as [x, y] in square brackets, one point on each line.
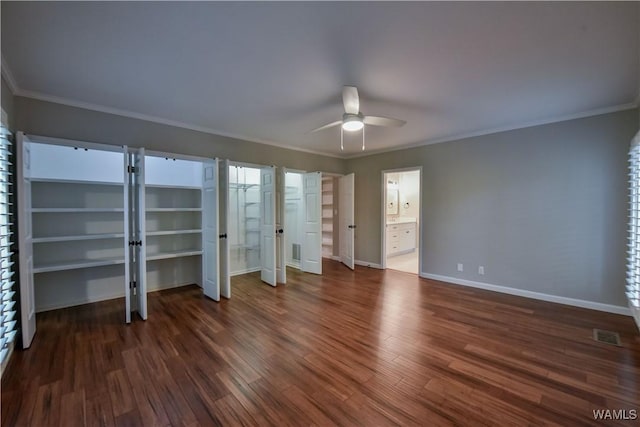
[351, 100]
[327, 126]
[383, 121]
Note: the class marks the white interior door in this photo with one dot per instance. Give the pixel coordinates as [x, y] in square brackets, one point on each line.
[346, 219]
[140, 288]
[281, 254]
[223, 227]
[268, 225]
[311, 257]
[25, 245]
[129, 232]
[210, 236]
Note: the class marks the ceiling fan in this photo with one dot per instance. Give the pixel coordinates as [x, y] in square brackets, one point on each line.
[353, 119]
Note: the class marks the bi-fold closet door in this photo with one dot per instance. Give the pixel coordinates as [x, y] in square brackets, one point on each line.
[73, 226]
[174, 224]
[99, 222]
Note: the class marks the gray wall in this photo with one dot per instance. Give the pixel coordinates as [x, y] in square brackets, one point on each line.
[541, 208]
[7, 102]
[60, 121]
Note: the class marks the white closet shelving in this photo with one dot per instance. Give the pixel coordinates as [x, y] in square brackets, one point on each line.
[173, 216]
[327, 216]
[99, 222]
[77, 223]
[244, 219]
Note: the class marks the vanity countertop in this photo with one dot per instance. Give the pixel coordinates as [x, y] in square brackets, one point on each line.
[401, 220]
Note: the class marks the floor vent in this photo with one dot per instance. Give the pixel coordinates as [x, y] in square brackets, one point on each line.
[607, 337]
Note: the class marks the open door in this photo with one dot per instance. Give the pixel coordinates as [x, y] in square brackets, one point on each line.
[346, 220]
[281, 254]
[268, 225]
[25, 245]
[210, 236]
[311, 260]
[140, 246]
[223, 229]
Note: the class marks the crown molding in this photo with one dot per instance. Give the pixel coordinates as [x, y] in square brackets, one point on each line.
[8, 76]
[17, 91]
[175, 123]
[524, 125]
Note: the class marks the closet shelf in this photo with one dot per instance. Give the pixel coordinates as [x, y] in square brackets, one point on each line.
[75, 210]
[173, 232]
[74, 265]
[174, 210]
[242, 186]
[173, 187]
[176, 254]
[78, 237]
[70, 181]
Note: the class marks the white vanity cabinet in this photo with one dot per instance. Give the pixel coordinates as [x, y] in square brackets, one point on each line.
[401, 238]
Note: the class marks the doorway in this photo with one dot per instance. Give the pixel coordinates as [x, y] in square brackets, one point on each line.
[401, 213]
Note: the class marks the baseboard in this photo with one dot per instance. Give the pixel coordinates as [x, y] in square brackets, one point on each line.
[80, 302]
[367, 264]
[530, 294]
[247, 271]
[106, 298]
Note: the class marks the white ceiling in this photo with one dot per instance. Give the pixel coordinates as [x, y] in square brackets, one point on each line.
[273, 71]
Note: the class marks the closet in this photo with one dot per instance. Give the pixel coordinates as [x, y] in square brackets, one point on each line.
[293, 218]
[243, 229]
[329, 215]
[302, 207]
[99, 222]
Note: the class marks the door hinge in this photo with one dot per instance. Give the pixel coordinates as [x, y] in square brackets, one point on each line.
[132, 285]
[131, 169]
[135, 243]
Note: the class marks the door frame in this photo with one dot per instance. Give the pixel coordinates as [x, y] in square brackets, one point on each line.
[383, 212]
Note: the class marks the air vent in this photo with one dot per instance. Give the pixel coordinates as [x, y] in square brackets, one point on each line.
[607, 337]
[295, 249]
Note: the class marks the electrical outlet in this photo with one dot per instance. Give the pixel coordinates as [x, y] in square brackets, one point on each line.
[481, 270]
[460, 267]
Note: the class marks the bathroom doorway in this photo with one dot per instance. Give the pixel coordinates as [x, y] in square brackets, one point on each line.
[401, 223]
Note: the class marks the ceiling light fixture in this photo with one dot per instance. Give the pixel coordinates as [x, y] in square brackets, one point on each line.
[352, 122]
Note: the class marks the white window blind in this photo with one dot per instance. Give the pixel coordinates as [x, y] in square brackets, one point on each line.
[633, 253]
[8, 319]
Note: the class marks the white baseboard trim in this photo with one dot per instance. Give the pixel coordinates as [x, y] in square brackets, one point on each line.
[530, 294]
[81, 301]
[367, 264]
[106, 297]
[246, 271]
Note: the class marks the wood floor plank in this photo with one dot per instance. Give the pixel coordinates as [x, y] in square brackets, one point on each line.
[369, 347]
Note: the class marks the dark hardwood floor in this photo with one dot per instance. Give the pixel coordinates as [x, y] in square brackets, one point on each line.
[367, 348]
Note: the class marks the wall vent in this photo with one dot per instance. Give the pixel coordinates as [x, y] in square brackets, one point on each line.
[607, 337]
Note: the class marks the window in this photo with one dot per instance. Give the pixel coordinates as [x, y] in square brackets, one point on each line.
[8, 303]
[633, 253]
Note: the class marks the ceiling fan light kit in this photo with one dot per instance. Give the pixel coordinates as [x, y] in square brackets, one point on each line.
[353, 120]
[342, 129]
